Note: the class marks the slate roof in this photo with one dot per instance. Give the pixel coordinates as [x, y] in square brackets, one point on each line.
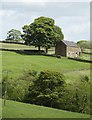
[69, 43]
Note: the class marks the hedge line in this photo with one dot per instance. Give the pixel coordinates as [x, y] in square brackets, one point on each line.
[81, 60]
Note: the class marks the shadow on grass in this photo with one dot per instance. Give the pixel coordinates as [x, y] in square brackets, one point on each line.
[26, 52]
[31, 52]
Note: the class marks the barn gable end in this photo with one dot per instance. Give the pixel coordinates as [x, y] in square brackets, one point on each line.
[67, 49]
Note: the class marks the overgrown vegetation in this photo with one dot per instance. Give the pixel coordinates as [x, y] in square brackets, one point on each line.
[84, 44]
[46, 89]
[49, 88]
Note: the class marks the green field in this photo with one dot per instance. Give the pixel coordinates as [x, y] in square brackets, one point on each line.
[22, 110]
[17, 64]
[15, 46]
[24, 47]
[86, 56]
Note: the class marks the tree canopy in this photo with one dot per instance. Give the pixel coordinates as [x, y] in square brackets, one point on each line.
[46, 89]
[84, 44]
[14, 35]
[42, 33]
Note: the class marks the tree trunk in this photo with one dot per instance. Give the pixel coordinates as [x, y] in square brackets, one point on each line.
[39, 48]
[46, 50]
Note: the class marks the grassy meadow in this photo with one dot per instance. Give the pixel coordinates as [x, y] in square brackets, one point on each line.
[17, 64]
[23, 47]
[22, 110]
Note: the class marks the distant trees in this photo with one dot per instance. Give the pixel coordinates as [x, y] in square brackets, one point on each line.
[84, 44]
[14, 35]
[42, 33]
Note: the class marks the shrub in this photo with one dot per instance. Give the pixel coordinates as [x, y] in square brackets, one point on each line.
[85, 78]
[76, 98]
[46, 89]
[16, 89]
[49, 89]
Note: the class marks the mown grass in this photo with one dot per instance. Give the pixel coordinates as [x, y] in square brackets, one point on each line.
[22, 110]
[17, 63]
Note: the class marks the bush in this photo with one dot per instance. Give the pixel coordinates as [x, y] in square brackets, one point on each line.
[85, 78]
[76, 98]
[16, 89]
[46, 89]
[49, 89]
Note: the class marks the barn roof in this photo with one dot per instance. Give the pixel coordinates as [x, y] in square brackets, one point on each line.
[69, 43]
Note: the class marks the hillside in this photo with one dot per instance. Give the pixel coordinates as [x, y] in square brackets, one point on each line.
[22, 110]
[17, 63]
[23, 47]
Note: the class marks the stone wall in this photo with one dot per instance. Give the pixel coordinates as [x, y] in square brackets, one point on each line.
[73, 51]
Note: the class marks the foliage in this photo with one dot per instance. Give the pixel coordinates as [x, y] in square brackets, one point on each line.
[83, 44]
[85, 78]
[42, 33]
[76, 97]
[50, 89]
[60, 35]
[46, 89]
[16, 89]
[14, 35]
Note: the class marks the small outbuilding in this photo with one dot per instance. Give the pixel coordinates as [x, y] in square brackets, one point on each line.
[67, 49]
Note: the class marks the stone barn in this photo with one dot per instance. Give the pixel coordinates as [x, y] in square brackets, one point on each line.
[67, 49]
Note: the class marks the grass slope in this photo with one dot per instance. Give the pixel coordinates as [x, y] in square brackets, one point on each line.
[15, 46]
[24, 47]
[17, 63]
[22, 110]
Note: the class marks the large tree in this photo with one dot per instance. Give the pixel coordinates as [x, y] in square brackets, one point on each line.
[42, 33]
[13, 35]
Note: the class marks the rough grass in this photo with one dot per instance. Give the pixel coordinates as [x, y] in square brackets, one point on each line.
[75, 76]
[22, 110]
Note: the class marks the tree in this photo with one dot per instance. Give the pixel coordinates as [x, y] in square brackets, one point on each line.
[76, 97]
[42, 33]
[84, 44]
[60, 35]
[16, 89]
[13, 35]
[46, 89]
